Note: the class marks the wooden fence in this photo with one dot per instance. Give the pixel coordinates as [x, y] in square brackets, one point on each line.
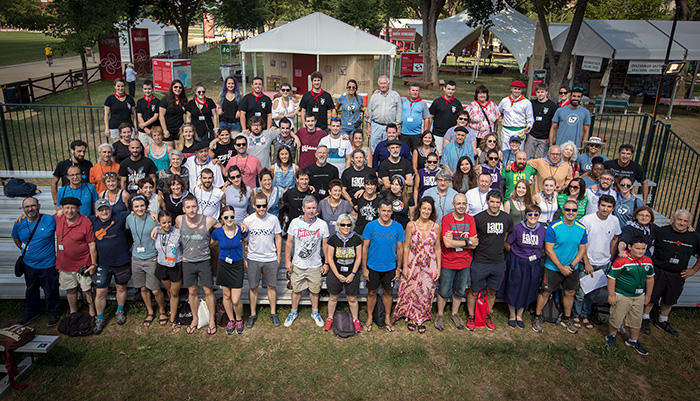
[33, 89]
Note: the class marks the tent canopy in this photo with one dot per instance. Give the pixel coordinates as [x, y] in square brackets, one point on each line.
[318, 34]
[161, 38]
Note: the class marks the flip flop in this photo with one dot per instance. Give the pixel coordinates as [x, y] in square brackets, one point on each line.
[368, 328]
[147, 322]
[389, 328]
[163, 320]
[211, 330]
[421, 328]
[411, 327]
[175, 326]
[191, 329]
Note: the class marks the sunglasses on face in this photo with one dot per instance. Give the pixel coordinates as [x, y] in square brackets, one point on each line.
[491, 141]
[284, 90]
[431, 162]
[530, 214]
[228, 217]
[563, 92]
[463, 119]
[594, 145]
[344, 225]
[263, 206]
[626, 185]
[201, 92]
[177, 87]
[240, 145]
[236, 176]
[493, 158]
[574, 187]
[352, 87]
[335, 119]
[566, 209]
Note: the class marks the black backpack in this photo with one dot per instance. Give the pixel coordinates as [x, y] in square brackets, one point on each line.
[18, 187]
[220, 316]
[184, 313]
[552, 311]
[77, 324]
[379, 313]
[343, 325]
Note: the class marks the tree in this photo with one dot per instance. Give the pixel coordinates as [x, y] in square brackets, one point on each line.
[628, 9]
[27, 14]
[180, 14]
[689, 10]
[430, 10]
[346, 11]
[241, 14]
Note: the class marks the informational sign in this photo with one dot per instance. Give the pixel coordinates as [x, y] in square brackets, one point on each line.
[208, 22]
[592, 63]
[645, 67]
[110, 59]
[405, 34]
[538, 77]
[226, 49]
[411, 64]
[166, 70]
[140, 49]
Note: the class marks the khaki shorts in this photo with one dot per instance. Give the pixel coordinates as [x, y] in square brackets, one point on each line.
[70, 280]
[629, 307]
[303, 279]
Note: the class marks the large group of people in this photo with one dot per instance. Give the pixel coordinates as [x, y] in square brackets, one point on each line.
[440, 204]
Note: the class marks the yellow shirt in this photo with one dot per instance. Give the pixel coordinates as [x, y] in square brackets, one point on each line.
[48, 51]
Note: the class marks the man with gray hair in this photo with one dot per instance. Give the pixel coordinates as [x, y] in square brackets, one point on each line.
[105, 165]
[309, 236]
[443, 194]
[673, 247]
[384, 108]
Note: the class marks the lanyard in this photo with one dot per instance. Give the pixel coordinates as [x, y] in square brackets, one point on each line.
[226, 238]
[143, 228]
[70, 228]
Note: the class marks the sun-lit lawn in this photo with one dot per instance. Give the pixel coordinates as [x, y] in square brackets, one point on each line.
[23, 47]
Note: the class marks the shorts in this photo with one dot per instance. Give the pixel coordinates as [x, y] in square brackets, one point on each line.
[257, 270]
[145, 139]
[230, 275]
[114, 133]
[453, 283]
[232, 127]
[553, 280]
[172, 274]
[668, 287]
[191, 271]
[381, 279]
[630, 308]
[143, 272]
[103, 276]
[335, 287]
[487, 275]
[69, 280]
[303, 279]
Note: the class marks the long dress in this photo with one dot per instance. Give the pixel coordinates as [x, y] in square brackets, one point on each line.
[416, 294]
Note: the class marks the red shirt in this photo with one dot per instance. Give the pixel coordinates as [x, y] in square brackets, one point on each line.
[462, 230]
[309, 143]
[72, 249]
[250, 167]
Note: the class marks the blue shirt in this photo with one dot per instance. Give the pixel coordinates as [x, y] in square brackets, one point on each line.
[41, 253]
[452, 153]
[144, 246]
[349, 111]
[415, 112]
[381, 153]
[586, 161]
[571, 122]
[111, 241]
[443, 206]
[566, 240]
[86, 194]
[229, 247]
[381, 255]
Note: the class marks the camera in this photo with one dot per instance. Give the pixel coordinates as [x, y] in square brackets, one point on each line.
[84, 271]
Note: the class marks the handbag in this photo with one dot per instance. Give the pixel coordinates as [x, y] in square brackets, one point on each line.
[482, 309]
[19, 264]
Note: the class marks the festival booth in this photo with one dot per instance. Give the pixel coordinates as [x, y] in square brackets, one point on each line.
[316, 42]
[161, 40]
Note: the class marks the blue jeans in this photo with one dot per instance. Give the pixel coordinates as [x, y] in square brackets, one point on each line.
[584, 302]
[378, 135]
[232, 127]
[46, 279]
[453, 282]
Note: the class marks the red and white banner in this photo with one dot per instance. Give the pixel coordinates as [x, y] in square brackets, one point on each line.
[110, 59]
[405, 34]
[411, 63]
[140, 50]
[208, 22]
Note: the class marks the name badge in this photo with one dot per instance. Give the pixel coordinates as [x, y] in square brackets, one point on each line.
[314, 110]
[409, 119]
[532, 258]
[639, 291]
[258, 114]
[674, 261]
[141, 249]
[228, 260]
[201, 118]
[344, 269]
[349, 123]
[538, 118]
[60, 247]
[459, 249]
[322, 191]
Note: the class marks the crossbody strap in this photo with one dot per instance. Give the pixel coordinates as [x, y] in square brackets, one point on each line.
[32, 235]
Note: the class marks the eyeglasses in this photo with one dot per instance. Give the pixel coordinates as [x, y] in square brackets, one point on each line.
[626, 185]
[352, 87]
[285, 90]
[563, 92]
[530, 214]
[240, 145]
[431, 162]
[555, 154]
[201, 92]
[263, 206]
[566, 209]
[228, 217]
[344, 225]
[235, 176]
[493, 158]
[463, 119]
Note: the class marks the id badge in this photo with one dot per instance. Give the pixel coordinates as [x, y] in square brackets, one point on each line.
[344, 269]
[459, 249]
[639, 291]
[532, 258]
[228, 260]
[141, 249]
[349, 123]
[409, 119]
[322, 191]
[314, 110]
[201, 118]
[258, 114]
[60, 247]
[538, 118]
[674, 261]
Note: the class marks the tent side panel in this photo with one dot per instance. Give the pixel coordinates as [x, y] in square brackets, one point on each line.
[276, 70]
[357, 67]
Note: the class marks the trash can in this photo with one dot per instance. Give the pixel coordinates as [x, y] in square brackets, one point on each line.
[227, 70]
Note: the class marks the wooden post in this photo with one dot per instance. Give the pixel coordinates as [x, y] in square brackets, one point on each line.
[53, 84]
[31, 91]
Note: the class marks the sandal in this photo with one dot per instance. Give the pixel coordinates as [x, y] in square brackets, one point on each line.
[163, 320]
[175, 326]
[587, 323]
[577, 321]
[421, 328]
[211, 330]
[191, 329]
[389, 328]
[368, 328]
[147, 322]
[411, 327]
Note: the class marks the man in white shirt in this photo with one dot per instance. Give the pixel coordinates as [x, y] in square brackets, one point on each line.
[476, 197]
[339, 149]
[384, 108]
[195, 165]
[517, 114]
[209, 198]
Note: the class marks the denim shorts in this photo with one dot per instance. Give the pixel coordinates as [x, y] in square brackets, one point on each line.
[453, 282]
[232, 127]
[103, 276]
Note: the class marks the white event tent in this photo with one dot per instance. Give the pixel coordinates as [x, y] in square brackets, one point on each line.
[161, 38]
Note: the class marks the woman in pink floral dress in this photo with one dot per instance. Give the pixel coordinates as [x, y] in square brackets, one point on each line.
[421, 267]
[483, 113]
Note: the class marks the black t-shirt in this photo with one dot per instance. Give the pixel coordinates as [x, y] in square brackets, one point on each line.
[388, 169]
[491, 231]
[445, 114]
[188, 151]
[543, 112]
[318, 105]
[121, 151]
[256, 107]
[202, 118]
[174, 118]
[225, 152]
[228, 111]
[400, 209]
[344, 255]
[119, 110]
[148, 110]
[672, 250]
[62, 169]
[633, 170]
[292, 198]
[319, 177]
[136, 170]
[354, 180]
[111, 240]
[366, 212]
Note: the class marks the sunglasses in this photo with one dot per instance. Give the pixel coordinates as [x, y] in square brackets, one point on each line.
[566, 209]
[463, 119]
[263, 206]
[236, 176]
[335, 119]
[228, 217]
[491, 141]
[285, 90]
[574, 187]
[240, 145]
[201, 92]
[431, 162]
[344, 225]
[626, 185]
[594, 145]
[177, 87]
[493, 158]
[530, 214]
[352, 87]
[563, 92]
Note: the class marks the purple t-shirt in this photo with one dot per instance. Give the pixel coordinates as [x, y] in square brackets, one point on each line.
[495, 175]
[426, 180]
[526, 241]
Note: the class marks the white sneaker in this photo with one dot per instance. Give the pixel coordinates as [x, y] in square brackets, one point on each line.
[317, 318]
[290, 318]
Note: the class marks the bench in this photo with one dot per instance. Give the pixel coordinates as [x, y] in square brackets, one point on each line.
[38, 345]
[421, 82]
[612, 103]
[7, 174]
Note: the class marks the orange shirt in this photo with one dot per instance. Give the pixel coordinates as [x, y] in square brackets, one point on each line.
[96, 173]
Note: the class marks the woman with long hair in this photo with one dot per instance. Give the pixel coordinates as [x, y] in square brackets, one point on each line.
[169, 263]
[426, 176]
[642, 224]
[519, 200]
[569, 154]
[350, 107]
[284, 171]
[427, 146]
[121, 146]
[119, 108]
[174, 195]
[464, 178]
[227, 106]
[488, 142]
[172, 111]
[186, 141]
[285, 105]
[483, 114]
[158, 151]
[201, 111]
[547, 200]
[575, 191]
[356, 142]
[402, 202]
[273, 194]
[627, 203]
[237, 193]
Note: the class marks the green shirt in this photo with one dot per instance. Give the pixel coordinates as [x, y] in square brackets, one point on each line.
[630, 275]
[512, 177]
[582, 205]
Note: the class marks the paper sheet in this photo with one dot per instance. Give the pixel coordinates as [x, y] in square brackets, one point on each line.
[599, 280]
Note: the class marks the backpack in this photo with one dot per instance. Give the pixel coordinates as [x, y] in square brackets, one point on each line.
[18, 187]
[482, 309]
[77, 324]
[343, 325]
[379, 313]
[184, 313]
[220, 315]
[15, 336]
[552, 311]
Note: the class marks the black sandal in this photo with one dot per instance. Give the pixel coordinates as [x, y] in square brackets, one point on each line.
[421, 328]
[147, 322]
[163, 320]
[411, 327]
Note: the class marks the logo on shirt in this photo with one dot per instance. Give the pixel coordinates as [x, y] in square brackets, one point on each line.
[397, 205]
[368, 212]
[545, 110]
[572, 119]
[102, 232]
[531, 239]
[494, 228]
[357, 182]
[454, 109]
[263, 104]
[261, 232]
[322, 101]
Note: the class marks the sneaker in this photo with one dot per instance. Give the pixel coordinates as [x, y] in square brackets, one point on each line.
[229, 327]
[53, 320]
[637, 347]
[251, 321]
[317, 318]
[99, 326]
[239, 326]
[459, 324]
[666, 326]
[470, 323]
[569, 324]
[290, 318]
[439, 323]
[611, 341]
[489, 323]
[646, 326]
[275, 320]
[28, 319]
[358, 326]
[121, 317]
[537, 323]
[329, 324]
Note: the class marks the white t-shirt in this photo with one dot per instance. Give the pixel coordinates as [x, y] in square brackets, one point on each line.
[337, 150]
[308, 241]
[261, 237]
[209, 202]
[600, 234]
[476, 201]
[593, 198]
[195, 170]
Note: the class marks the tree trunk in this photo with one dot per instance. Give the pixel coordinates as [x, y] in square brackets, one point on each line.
[430, 9]
[184, 32]
[683, 10]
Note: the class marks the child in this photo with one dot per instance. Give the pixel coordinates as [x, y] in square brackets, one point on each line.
[630, 283]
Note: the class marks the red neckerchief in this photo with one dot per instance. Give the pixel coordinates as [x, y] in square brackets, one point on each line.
[448, 101]
[419, 100]
[512, 102]
[257, 97]
[565, 103]
[204, 103]
[485, 105]
[119, 97]
[177, 100]
[148, 101]
[512, 168]
[317, 95]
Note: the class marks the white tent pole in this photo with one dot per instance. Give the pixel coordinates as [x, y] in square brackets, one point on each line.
[475, 73]
[243, 71]
[391, 72]
[318, 63]
[255, 64]
[692, 84]
[608, 71]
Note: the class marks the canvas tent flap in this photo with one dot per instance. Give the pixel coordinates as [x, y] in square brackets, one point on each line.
[687, 35]
[318, 34]
[161, 38]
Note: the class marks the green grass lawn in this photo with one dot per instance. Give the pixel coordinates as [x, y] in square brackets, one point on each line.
[303, 362]
[23, 47]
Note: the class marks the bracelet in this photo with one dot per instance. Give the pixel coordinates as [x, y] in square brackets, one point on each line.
[353, 272]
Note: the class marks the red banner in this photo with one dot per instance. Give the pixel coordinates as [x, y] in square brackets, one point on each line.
[411, 64]
[141, 50]
[208, 25]
[110, 59]
[406, 34]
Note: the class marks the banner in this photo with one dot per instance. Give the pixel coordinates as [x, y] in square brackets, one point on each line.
[208, 22]
[140, 50]
[645, 67]
[592, 63]
[411, 64]
[110, 59]
[406, 34]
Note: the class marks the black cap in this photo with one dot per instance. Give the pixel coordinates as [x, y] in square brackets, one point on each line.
[462, 129]
[394, 142]
[516, 138]
[198, 145]
[70, 201]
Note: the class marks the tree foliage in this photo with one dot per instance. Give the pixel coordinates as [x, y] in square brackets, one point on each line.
[628, 9]
[242, 14]
[181, 14]
[28, 14]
